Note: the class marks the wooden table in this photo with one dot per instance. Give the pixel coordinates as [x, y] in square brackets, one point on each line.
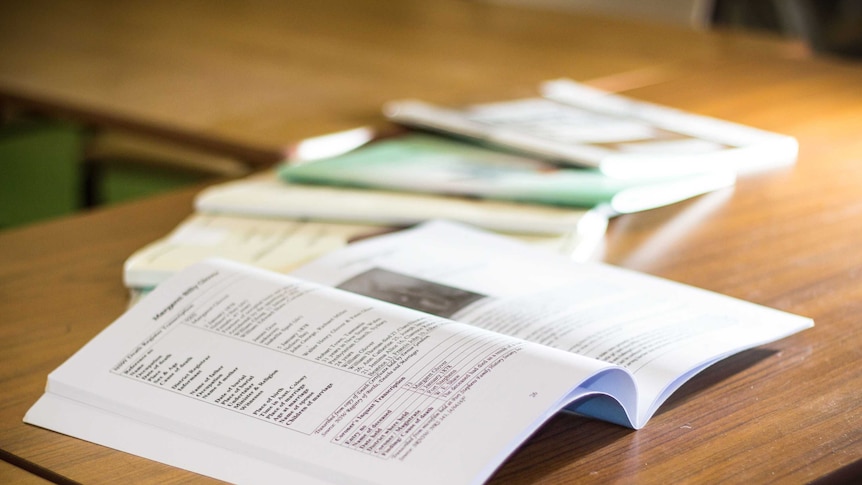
[247, 79]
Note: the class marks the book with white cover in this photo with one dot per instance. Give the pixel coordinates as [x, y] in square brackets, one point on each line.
[265, 195]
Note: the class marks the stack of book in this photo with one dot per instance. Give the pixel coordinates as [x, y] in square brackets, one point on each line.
[263, 221]
[550, 170]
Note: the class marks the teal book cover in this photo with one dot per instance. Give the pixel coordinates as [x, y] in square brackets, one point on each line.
[433, 164]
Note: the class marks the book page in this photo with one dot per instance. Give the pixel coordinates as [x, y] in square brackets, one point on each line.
[623, 137]
[303, 377]
[166, 446]
[662, 332]
[275, 244]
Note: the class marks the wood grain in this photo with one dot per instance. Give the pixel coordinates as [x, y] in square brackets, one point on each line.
[252, 77]
[249, 78]
[12, 474]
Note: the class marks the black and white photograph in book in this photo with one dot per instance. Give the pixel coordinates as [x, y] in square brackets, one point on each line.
[411, 292]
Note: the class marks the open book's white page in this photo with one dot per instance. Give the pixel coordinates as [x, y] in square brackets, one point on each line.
[275, 244]
[662, 332]
[327, 384]
[159, 444]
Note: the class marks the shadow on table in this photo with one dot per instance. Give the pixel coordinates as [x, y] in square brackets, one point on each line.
[560, 441]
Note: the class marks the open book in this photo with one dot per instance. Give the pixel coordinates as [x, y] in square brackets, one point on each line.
[623, 137]
[423, 356]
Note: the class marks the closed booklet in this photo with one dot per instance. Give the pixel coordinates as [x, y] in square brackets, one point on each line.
[432, 164]
[424, 356]
[266, 195]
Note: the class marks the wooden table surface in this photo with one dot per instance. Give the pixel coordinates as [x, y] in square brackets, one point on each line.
[249, 78]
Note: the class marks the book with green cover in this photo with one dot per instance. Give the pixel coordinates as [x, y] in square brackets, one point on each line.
[433, 164]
